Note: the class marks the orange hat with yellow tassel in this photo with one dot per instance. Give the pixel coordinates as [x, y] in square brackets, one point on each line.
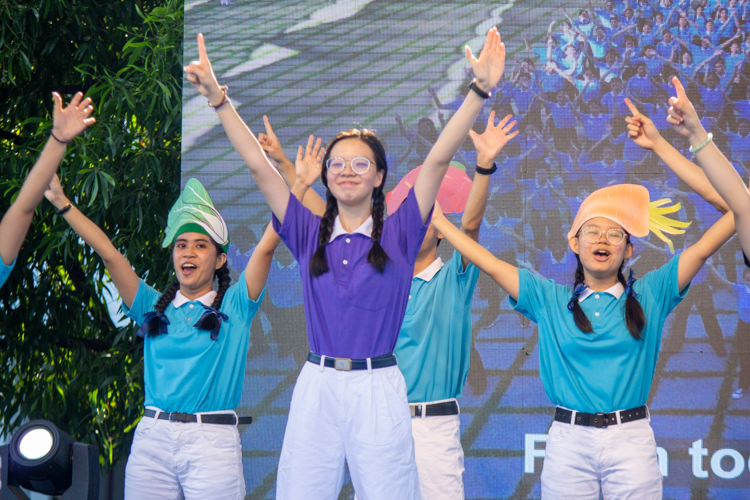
[629, 206]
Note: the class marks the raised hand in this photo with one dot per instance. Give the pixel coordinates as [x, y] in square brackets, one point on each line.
[489, 67]
[641, 129]
[437, 214]
[682, 116]
[73, 119]
[271, 145]
[494, 138]
[200, 74]
[308, 165]
[55, 193]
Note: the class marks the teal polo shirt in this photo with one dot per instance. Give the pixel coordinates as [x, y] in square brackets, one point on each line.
[184, 370]
[5, 271]
[606, 370]
[434, 343]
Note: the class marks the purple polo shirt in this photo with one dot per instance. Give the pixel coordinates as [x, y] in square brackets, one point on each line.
[353, 311]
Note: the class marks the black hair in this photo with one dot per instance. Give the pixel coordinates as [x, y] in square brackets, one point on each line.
[377, 257]
[635, 319]
[210, 322]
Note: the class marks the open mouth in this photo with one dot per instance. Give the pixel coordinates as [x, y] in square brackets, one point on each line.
[601, 255]
[188, 268]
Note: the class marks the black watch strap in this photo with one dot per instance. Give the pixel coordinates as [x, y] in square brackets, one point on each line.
[481, 93]
[487, 171]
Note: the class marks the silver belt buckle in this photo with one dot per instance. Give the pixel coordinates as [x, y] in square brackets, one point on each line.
[343, 364]
[414, 408]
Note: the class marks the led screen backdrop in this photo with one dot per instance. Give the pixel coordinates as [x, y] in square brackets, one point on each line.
[318, 67]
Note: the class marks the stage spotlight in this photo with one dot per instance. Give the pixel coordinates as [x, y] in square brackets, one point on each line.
[43, 459]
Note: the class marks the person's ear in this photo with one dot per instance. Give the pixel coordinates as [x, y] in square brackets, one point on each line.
[573, 243]
[221, 259]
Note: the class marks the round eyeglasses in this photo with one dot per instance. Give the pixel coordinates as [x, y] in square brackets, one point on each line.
[360, 165]
[614, 236]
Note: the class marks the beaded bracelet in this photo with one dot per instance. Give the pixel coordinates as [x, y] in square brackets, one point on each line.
[709, 138]
[224, 98]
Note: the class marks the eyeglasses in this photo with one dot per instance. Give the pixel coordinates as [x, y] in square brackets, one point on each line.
[614, 236]
[360, 165]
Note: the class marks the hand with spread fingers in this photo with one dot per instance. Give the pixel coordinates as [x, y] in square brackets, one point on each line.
[70, 121]
[308, 165]
[489, 66]
[641, 128]
[494, 138]
[201, 75]
[682, 116]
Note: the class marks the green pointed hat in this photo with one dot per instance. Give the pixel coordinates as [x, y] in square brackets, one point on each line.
[195, 212]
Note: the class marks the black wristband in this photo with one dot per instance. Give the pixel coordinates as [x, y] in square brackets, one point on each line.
[64, 210]
[486, 171]
[52, 134]
[481, 93]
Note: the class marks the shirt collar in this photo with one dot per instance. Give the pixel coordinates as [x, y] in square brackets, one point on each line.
[430, 271]
[615, 290]
[180, 300]
[338, 230]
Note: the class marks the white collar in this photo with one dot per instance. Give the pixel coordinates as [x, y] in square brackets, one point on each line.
[615, 290]
[180, 300]
[430, 271]
[338, 230]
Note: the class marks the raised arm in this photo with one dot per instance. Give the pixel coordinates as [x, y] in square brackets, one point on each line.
[644, 133]
[201, 76]
[122, 274]
[488, 70]
[504, 274]
[693, 258]
[256, 272]
[719, 171]
[67, 123]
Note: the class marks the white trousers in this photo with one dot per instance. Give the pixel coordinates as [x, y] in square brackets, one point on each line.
[440, 457]
[176, 460]
[618, 461]
[360, 418]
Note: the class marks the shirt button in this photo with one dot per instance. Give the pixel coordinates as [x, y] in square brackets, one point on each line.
[596, 296]
[409, 297]
[346, 262]
[348, 240]
[191, 306]
[189, 318]
[596, 314]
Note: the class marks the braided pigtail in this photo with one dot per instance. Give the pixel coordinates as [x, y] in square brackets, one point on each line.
[211, 321]
[377, 257]
[582, 321]
[156, 324]
[635, 319]
[318, 263]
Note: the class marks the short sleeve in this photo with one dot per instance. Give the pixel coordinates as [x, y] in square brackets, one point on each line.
[145, 299]
[406, 226]
[531, 295]
[237, 302]
[5, 270]
[466, 278]
[299, 231]
[663, 286]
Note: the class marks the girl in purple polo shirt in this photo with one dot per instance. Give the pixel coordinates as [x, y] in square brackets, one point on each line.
[349, 405]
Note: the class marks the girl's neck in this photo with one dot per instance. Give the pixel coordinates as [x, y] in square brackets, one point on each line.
[196, 293]
[599, 284]
[353, 216]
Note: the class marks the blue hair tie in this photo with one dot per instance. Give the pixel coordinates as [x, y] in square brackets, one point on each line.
[207, 312]
[145, 324]
[579, 289]
[629, 284]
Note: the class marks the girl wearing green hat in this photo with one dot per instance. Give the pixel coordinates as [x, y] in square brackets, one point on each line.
[195, 350]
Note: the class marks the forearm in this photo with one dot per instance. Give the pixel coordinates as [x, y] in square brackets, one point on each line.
[476, 203]
[722, 175]
[504, 274]
[256, 272]
[695, 256]
[690, 174]
[17, 220]
[309, 197]
[436, 164]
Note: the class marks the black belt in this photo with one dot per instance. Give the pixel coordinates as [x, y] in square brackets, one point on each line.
[346, 364]
[218, 418]
[601, 419]
[434, 409]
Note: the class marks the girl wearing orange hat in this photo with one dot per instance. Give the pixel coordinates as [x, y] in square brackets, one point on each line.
[599, 340]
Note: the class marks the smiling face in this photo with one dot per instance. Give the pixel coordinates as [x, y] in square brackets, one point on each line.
[196, 258]
[347, 187]
[601, 260]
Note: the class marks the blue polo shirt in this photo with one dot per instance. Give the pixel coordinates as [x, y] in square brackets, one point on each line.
[5, 271]
[185, 370]
[606, 370]
[353, 311]
[434, 343]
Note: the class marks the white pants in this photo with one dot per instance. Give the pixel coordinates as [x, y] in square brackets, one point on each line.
[619, 461]
[440, 457]
[360, 418]
[176, 460]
